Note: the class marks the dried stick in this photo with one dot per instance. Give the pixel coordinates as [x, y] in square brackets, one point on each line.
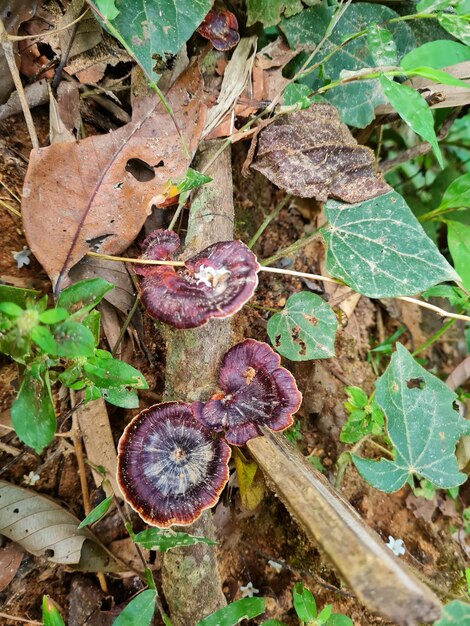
[190, 578]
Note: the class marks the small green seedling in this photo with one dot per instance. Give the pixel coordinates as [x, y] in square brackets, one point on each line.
[364, 416]
[59, 345]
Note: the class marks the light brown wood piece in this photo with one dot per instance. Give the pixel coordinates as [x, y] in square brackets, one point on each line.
[360, 556]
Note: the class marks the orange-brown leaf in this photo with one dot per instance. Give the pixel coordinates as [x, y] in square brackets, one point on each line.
[96, 194]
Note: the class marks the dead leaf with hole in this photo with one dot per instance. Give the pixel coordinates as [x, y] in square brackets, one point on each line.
[312, 154]
[40, 525]
[96, 194]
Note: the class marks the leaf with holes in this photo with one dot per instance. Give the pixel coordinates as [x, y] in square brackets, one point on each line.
[40, 525]
[152, 32]
[379, 248]
[422, 424]
[305, 329]
[105, 186]
[357, 100]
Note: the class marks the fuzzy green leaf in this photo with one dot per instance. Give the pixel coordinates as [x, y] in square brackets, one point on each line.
[161, 540]
[151, 31]
[234, 613]
[379, 248]
[32, 413]
[436, 54]
[97, 513]
[139, 611]
[305, 329]
[413, 109]
[422, 424]
[73, 339]
[458, 237]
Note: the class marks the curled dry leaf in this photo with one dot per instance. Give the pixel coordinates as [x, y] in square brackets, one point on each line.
[96, 194]
[221, 28]
[40, 525]
[312, 154]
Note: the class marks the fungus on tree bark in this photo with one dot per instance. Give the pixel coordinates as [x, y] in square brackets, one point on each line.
[170, 467]
[215, 283]
[256, 392]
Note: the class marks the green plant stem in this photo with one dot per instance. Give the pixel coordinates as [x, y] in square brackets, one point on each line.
[437, 213]
[445, 327]
[294, 247]
[127, 321]
[267, 220]
[181, 203]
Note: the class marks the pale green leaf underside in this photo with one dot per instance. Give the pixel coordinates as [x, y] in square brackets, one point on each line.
[455, 613]
[305, 329]
[422, 425]
[154, 29]
[379, 248]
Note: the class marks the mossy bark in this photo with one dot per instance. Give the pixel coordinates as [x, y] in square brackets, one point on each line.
[191, 581]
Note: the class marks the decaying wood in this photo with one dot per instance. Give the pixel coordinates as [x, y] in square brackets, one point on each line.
[191, 581]
[361, 557]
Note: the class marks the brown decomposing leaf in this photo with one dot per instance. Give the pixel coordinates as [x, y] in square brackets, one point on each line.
[312, 154]
[96, 194]
[11, 556]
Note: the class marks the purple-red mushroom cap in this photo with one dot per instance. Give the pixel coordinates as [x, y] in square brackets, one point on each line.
[170, 467]
[215, 283]
[257, 392]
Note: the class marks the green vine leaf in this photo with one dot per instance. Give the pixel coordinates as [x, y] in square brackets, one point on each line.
[455, 613]
[422, 424]
[379, 248]
[305, 329]
[436, 54]
[269, 12]
[151, 31]
[414, 110]
[161, 540]
[356, 101]
[381, 46]
[458, 27]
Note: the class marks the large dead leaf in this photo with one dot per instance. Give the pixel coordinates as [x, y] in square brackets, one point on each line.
[312, 154]
[96, 194]
[40, 525]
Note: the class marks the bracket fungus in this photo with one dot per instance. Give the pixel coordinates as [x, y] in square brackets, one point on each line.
[170, 467]
[256, 392]
[215, 283]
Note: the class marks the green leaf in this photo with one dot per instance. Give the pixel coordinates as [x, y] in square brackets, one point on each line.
[422, 425]
[152, 31]
[325, 614]
[339, 620]
[50, 615]
[234, 613]
[304, 603]
[459, 28]
[11, 309]
[120, 396]
[305, 329]
[458, 237]
[192, 180]
[428, 6]
[97, 513]
[32, 413]
[379, 248]
[92, 321]
[43, 338]
[163, 540]
[381, 46]
[438, 76]
[17, 295]
[91, 393]
[457, 194]
[139, 611]
[357, 397]
[297, 94]
[436, 54]
[456, 613]
[269, 12]
[355, 101]
[413, 109]
[272, 622]
[53, 316]
[84, 295]
[73, 339]
[109, 372]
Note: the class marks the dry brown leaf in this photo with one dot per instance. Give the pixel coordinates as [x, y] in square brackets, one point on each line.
[312, 154]
[96, 194]
[11, 556]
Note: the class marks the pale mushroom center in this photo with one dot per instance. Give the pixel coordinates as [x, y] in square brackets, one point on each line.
[211, 276]
[178, 455]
